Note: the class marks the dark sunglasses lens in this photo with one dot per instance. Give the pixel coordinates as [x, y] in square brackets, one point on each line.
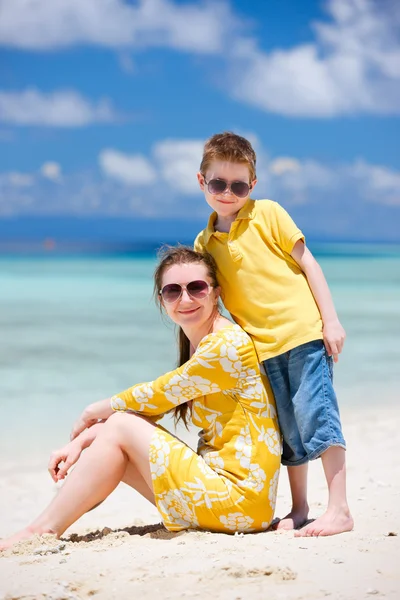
[241, 189]
[171, 292]
[217, 186]
[197, 289]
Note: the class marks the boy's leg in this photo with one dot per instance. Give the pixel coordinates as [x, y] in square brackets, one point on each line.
[317, 415]
[337, 518]
[277, 371]
[298, 488]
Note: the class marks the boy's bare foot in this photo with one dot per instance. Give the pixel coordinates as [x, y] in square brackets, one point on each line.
[332, 522]
[20, 536]
[293, 520]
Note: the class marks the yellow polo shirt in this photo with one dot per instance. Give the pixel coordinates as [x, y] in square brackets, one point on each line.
[263, 287]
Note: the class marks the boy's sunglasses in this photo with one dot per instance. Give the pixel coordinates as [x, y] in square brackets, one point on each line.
[241, 189]
[196, 289]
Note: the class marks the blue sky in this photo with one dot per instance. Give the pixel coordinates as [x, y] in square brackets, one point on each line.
[105, 105]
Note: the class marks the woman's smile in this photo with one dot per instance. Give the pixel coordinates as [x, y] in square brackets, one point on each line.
[189, 311]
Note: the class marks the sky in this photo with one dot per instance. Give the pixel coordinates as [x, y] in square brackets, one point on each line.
[105, 106]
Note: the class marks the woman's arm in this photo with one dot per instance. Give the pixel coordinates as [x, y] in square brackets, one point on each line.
[93, 413]
[206, 372]
[334, 334]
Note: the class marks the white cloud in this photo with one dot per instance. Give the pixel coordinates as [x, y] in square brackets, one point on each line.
[62, 109]
[301, 181]
[297, 180]
[17, 179]
[379, 184]
[200, 27]
[131, 169]
[352, 67]
[179, 161]
[51, 170]
[284, 164]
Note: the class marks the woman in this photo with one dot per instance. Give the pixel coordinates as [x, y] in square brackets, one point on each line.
[230, 484]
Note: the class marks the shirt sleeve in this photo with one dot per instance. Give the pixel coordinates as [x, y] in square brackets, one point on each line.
[207, 372]
[199, 243]
[284, 230]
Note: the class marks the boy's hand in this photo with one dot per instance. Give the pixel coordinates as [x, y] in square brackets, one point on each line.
[66, 457]
[334, 336]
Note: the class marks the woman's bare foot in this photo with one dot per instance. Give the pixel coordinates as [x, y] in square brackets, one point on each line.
[332, 522]
[21, 536]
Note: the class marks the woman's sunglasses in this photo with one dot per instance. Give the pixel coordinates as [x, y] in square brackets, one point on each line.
[196, 289]
[241, 189]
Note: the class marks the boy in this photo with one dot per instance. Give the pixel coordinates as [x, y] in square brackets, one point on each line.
[274, 288]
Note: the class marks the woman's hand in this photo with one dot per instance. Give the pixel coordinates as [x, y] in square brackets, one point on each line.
[66, 457]
[98, 411]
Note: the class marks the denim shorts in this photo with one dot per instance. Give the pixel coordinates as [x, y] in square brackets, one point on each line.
[307, 407]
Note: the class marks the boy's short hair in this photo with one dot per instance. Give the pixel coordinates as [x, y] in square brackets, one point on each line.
[230, 147]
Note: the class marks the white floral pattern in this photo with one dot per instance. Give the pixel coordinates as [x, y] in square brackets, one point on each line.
[159, 454]
[237, 521]
[215, 461]
[215, 427]
[244, 446]
[201, 494]
[253, 386]
[273, 488]
[177, 510]
[255, 480]
[271, 439]
[235, 336]
[204, 468]
[183, 386]
[141, 394]
[270, 412]
[118, 403]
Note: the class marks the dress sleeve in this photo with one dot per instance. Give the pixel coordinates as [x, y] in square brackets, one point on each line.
[207, 372]
[284, 229]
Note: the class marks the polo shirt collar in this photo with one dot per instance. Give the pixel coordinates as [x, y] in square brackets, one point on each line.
[246, 212]
[209, 231]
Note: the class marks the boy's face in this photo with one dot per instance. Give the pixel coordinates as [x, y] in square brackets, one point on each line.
[226, 203]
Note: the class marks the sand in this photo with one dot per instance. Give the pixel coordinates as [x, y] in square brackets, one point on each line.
[120, 550]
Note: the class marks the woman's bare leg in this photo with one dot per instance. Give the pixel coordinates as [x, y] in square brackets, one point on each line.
[124, 440]
[134, 479]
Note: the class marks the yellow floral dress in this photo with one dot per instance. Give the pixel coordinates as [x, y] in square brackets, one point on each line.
[230, 484]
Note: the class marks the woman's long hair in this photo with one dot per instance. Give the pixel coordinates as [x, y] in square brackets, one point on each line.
[182, 255]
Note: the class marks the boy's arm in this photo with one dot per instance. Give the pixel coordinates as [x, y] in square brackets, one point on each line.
[334, 334]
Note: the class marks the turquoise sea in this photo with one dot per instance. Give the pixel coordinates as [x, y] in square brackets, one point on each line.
[77, 329]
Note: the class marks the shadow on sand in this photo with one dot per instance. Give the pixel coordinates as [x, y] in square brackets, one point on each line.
[156, 531]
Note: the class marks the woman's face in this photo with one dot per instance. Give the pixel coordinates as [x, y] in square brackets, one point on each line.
[189, 310]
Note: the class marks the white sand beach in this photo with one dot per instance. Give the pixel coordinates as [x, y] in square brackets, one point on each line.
[119, 551]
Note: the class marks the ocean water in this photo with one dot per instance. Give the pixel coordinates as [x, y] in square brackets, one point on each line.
[75, 330]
